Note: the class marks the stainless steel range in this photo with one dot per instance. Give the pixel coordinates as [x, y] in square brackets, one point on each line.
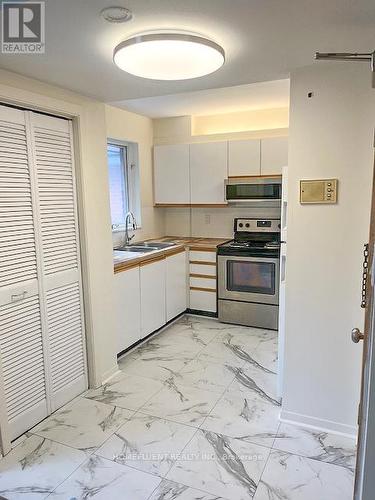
[248, 274]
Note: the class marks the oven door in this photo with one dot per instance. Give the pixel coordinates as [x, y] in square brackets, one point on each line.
[248, 279]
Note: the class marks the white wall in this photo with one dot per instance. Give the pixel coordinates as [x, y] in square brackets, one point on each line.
[330, 135]
[125, 126]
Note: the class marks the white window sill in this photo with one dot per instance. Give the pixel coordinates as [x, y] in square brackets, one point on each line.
[121, 229]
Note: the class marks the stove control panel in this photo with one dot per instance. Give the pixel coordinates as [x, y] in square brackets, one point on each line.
[257, 225]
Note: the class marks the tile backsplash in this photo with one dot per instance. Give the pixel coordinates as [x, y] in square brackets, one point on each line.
[210, 222]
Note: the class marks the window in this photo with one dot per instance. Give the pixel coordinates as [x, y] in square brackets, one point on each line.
[118, 182]
[123, 182]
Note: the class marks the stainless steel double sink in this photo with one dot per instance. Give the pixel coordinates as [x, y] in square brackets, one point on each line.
[145, 247]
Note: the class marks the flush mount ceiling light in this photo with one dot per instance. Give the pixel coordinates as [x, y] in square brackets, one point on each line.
[168, 56]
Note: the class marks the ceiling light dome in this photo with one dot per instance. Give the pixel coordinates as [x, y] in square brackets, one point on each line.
[168, 56]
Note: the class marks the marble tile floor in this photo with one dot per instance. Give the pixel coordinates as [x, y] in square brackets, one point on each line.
[192, 415]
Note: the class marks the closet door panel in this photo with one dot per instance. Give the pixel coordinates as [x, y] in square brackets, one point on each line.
[53, 158]
[55, 179]
[18, 263]
[21, 341]
[22, 362]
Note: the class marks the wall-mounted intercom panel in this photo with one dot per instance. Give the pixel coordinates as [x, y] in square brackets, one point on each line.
[318, 191]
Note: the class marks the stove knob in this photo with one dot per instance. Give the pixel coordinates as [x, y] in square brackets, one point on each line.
[240, 224]
[247, 224]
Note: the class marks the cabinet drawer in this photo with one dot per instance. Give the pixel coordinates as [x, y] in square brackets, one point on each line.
[195, 255]
[203, 282]
[203, 301]
[203, 269]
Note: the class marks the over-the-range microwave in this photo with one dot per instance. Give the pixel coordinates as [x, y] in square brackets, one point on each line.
[245, 189]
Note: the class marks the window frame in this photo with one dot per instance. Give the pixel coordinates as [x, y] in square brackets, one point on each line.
[132, 182]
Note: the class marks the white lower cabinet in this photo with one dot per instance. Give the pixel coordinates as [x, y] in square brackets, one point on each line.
[128, 308]
[202, 268]
[153, 311]
[176, 285]
[151, 294]
[201, 300]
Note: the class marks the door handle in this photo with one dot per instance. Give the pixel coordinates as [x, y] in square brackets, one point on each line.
[357, 335]
[18, 296]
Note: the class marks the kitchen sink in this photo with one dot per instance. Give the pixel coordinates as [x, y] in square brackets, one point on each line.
[137, 248]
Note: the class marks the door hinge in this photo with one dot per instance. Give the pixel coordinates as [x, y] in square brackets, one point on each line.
[365, 273]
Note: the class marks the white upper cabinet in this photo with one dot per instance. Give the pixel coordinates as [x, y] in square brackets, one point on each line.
[244, 157]
[274, 155]
[208, 170]
[171, 174]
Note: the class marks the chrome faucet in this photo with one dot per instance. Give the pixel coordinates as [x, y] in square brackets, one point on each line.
[129, 217]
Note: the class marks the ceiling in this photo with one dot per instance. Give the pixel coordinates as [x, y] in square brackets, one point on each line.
[263, 40]
[264, 95]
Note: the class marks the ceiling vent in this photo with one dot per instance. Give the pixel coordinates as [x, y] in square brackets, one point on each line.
[116, 14]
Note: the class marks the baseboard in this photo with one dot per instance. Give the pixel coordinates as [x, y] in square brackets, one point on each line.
[148, 337]
[196, 312]
[320, 424]
[110, 374]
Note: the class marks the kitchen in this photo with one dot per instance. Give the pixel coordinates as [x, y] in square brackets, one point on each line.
[179, 280]
[251, 185]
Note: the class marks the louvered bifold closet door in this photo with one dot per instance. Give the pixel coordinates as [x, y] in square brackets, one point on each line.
[53, 157]
[22, 376]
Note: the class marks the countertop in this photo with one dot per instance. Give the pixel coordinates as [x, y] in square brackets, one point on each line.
[126, 260]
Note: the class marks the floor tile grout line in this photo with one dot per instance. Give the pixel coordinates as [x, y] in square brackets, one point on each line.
[264, 468]
[103, 458]
[89, 454]
[311, 458]
[190, 487]
[69, 475]
[130, 466]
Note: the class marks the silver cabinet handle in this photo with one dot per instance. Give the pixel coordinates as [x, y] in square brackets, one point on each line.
[357, 335]
[18, 296]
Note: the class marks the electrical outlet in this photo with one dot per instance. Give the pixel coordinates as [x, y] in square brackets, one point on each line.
[207, 219]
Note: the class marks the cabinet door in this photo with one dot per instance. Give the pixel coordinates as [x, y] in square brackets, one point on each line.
[153, 315]
[176, 285]
[208, 170]
[171, 174]
[244, 157]
[274, 155]
[127, 308]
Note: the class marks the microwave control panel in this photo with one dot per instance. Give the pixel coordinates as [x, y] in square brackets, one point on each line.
[318, 191]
